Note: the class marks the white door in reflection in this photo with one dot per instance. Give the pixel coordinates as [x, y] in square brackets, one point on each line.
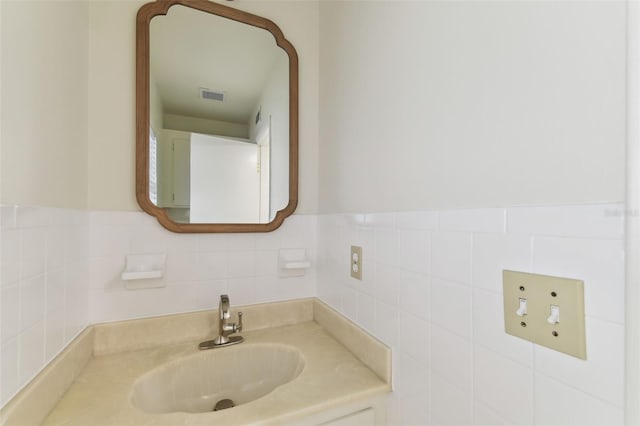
[225, 180]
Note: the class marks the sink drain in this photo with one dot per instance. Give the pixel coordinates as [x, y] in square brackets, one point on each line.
[224, 404]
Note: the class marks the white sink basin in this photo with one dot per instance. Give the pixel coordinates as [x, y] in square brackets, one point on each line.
[196, 383]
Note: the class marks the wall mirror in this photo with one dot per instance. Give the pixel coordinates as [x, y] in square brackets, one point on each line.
[217, 118]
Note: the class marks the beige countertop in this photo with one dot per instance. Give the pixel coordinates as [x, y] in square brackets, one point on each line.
[332, 376]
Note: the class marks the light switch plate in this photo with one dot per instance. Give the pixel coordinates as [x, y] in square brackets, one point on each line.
[541, 292]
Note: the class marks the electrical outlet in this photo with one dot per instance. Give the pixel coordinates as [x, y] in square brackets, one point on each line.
[545, 310]
[356, 262]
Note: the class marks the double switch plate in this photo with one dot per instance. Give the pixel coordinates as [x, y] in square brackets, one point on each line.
[545, 310]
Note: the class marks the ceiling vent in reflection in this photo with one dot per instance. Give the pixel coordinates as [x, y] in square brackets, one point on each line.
[211, 95]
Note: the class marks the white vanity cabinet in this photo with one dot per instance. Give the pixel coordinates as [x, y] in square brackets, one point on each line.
[368, 412]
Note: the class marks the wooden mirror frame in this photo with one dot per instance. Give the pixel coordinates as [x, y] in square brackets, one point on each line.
[161, 7]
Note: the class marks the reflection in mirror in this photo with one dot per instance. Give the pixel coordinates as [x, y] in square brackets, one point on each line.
[221, 127]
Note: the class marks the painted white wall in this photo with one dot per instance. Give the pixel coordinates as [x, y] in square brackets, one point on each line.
[44, 103]
[632, 215]
[274, 109]
[112, 97]
[468, 104]
[156, 116]
[112, 118]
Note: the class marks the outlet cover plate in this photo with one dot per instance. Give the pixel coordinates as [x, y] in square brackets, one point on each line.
[356, 262]
[541, 292]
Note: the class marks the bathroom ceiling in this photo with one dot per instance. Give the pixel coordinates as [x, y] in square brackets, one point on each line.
[191, 50]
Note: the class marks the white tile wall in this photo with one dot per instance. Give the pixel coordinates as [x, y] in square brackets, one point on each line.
[431, 289]
[199, 267]
[43, 288]
[434, 280]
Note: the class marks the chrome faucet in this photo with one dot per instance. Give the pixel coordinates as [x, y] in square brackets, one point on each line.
[225, 328]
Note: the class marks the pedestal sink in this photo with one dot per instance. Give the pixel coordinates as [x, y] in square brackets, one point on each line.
[217, 378]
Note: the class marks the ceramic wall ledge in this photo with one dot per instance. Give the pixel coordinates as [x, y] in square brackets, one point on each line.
[369, 350]
[37, 399]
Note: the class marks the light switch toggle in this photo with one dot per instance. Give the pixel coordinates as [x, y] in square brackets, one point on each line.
[554, 318]
[522, 308]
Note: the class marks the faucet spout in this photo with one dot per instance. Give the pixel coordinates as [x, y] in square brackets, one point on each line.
[223, 307]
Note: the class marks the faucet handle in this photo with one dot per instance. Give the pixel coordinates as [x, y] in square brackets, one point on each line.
[239, 326]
